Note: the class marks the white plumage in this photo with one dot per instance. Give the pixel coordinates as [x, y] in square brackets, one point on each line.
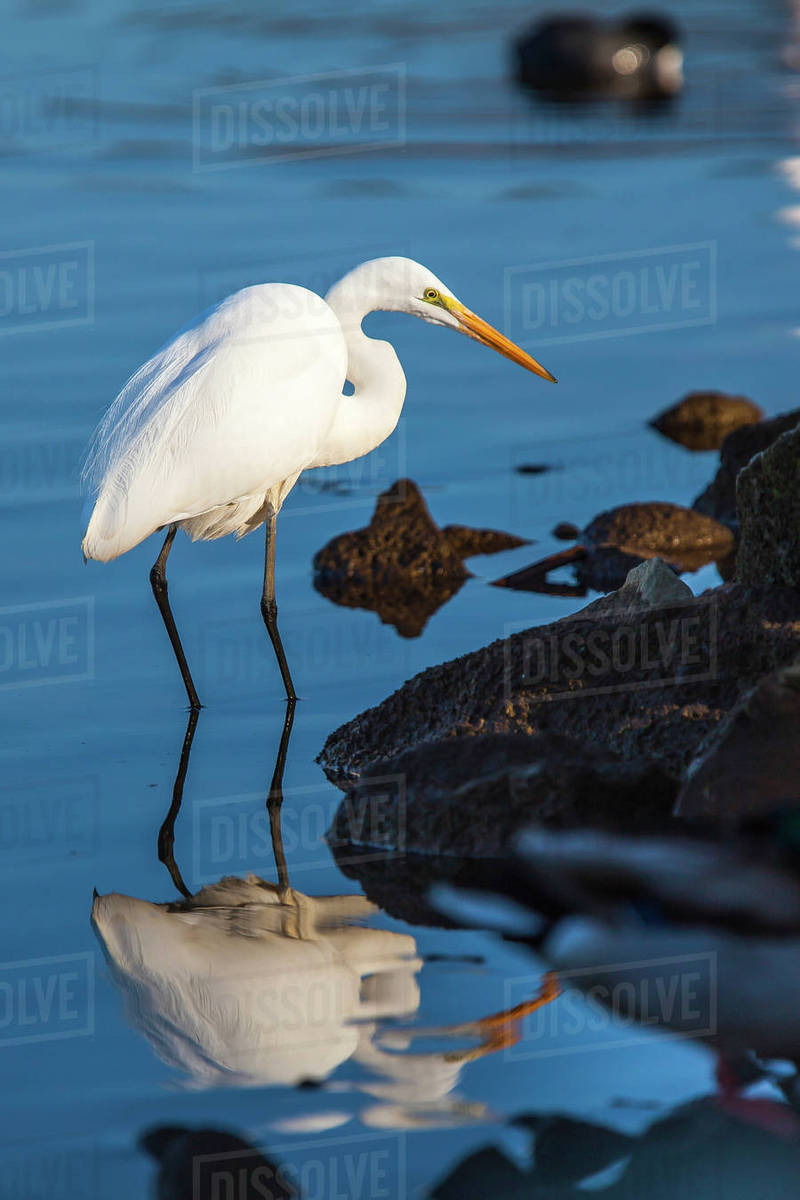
[212, 433]
[217, 421]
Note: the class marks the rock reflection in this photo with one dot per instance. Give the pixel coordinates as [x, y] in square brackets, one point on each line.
[212, 1164]
[615, 542]
[402, 566]
[699, 1150]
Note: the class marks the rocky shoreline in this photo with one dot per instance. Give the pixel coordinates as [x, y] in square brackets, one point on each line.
[607, 718]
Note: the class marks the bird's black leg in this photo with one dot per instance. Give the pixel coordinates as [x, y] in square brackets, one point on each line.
[269, 609]
[166, 834]
[275, 798]
[158, 582]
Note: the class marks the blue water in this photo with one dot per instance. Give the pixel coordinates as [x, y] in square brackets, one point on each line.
[474, 180]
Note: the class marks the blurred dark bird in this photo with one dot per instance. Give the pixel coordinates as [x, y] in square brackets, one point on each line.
[636, 57]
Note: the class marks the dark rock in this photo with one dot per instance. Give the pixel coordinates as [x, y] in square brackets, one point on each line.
[768, 501]
[565, 531]
[648, 686]
[750, 765]
[702, 420]
[632, 58]
[652, 584]
[719, 498]
[616, 541]
[402, 565]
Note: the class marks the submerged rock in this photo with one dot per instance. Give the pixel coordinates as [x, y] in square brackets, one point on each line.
[719, 498]
[467, 798]
[702, 420]
[647, 686]
[621, 538]
[402, 565]
[768, 501]
[750, 765]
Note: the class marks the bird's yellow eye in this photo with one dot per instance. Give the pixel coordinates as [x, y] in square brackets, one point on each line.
[431, 294]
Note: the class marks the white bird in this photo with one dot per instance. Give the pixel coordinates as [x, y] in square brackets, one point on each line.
[212, 432]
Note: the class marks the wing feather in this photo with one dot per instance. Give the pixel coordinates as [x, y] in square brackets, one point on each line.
[235, 404]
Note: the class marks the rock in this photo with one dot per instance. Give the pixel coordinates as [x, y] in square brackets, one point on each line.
[652, 584]
[402, 565]
[467, 798]
[719, 498]
[702, 420]
[630, 58]
[679, 535]
[750, 765]
[648, 686]
[617, 540]
[768, 501]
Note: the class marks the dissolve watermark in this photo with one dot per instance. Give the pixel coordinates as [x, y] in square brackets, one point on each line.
[231, 834]
[292, 312]
[50, 641]
[46, 287]
[237, 654]
[315, 269]
[600, 464]
[30, 468]
[611, 295]
[612, 1005]
[347, 485]
[47, 109]
[50, 819]
[61, 1169]
[355, 1166]
[47, 999]
[723, 105]
[590, 656]
[303, 116]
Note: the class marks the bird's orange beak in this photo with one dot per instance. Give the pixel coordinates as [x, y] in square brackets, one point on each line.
[483, 332]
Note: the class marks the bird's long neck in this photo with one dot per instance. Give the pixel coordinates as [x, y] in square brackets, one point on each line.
[367, 416]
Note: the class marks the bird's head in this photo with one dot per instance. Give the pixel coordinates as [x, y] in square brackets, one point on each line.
[402, 285]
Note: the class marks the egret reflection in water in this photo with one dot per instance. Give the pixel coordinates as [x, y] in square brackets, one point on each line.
[249, 983]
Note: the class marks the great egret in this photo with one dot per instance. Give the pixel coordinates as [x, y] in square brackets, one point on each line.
[212, 432]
